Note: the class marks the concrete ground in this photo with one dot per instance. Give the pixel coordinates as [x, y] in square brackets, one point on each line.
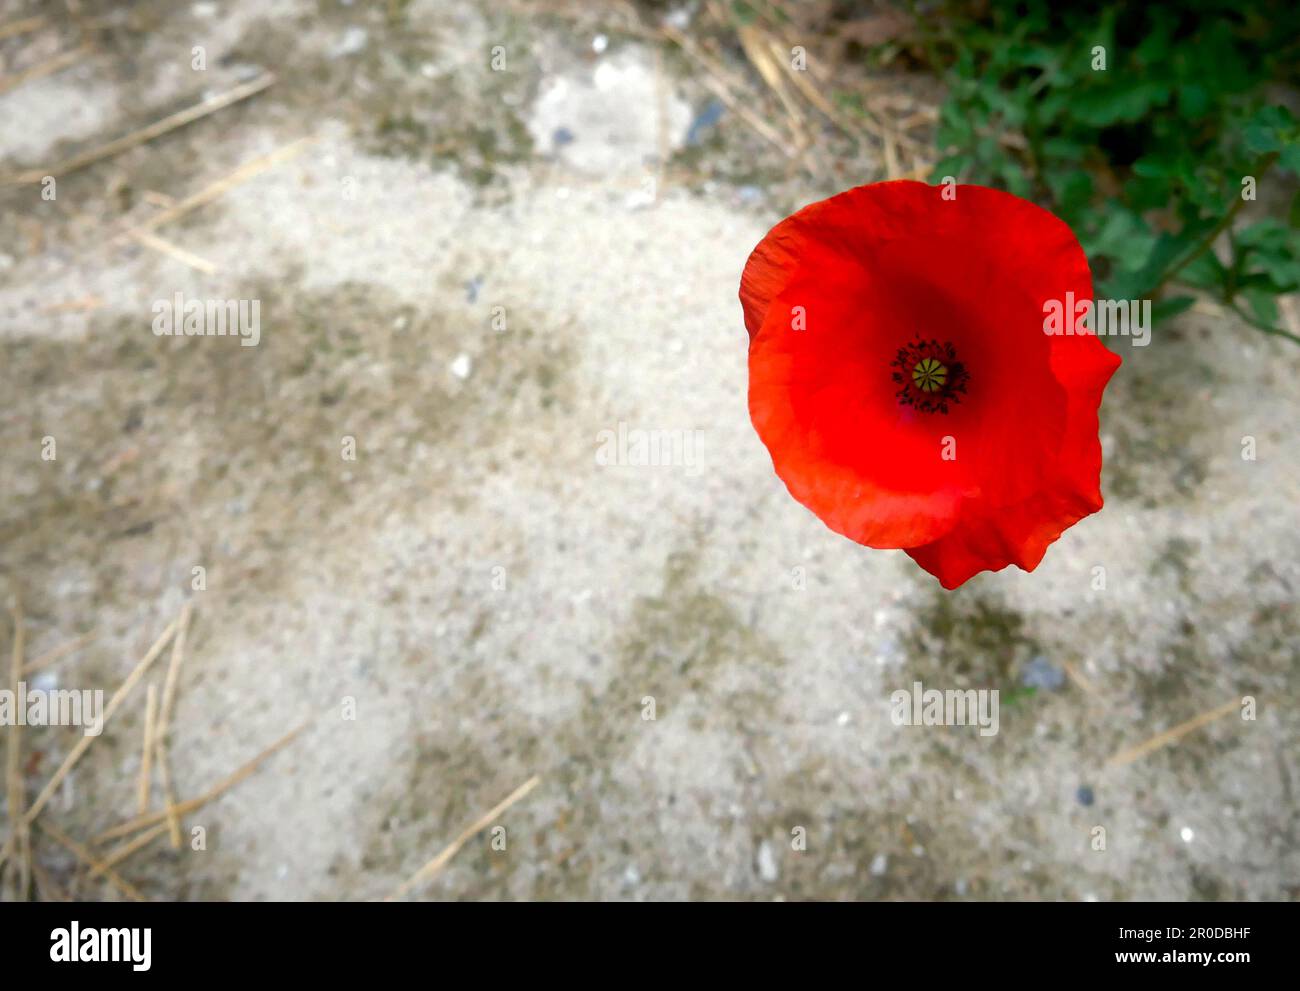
[469, 272]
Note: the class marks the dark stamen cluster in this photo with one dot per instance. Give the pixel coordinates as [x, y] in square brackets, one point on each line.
[929, 376]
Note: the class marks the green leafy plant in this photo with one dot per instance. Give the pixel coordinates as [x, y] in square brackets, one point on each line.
[1147, 128]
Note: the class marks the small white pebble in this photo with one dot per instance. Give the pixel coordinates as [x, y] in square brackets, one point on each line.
[842, 719]
[639, 199]
[599, 43]
[46, 681]
[879, 864]
[1187, 834]
[767, 869]
[353, 40]
[462, 366]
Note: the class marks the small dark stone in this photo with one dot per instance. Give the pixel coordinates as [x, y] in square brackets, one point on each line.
[1084, 795]
[704, 120]
[1041, 673]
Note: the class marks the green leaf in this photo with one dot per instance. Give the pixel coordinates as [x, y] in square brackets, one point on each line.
[1124, 237]
[1268, 235]
[956, 166]
[1154, 166]
[1068, 149]
[1269, 130]
[743, 12]
[1193, 100]
[1165, 251]
[1118, 105]
[1263, 304]
[1015, 179]
[1072, 190]
[1205, 272]
[1289, 159]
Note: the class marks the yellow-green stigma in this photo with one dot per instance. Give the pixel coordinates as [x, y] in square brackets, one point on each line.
[929, 374]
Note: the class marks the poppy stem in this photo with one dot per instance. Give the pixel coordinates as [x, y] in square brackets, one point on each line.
[1260, 325]
[1262, 166]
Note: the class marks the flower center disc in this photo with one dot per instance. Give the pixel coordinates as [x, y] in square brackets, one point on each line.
[929, 376]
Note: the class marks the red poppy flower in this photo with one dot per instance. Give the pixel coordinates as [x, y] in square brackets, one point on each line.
[902, 380]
